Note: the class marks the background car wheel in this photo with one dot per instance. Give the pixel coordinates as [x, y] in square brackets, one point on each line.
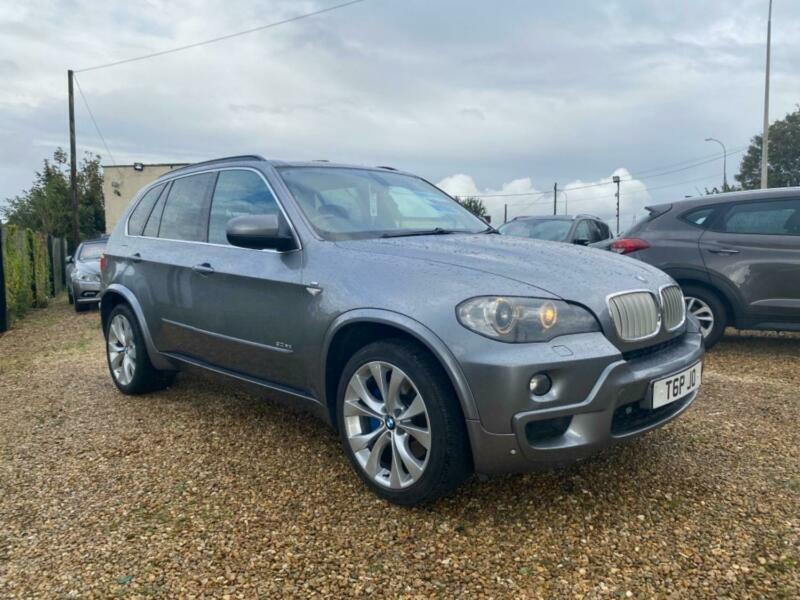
[709, 310]
[69, 296]
[400, 423]
[126, 354]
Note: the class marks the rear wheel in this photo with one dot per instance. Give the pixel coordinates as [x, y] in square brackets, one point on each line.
[709, 310]
[126, 353]
[400, 423]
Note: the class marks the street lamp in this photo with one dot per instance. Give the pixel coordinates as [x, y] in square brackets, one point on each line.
[765, 136]
[724, 163]
[616, 180]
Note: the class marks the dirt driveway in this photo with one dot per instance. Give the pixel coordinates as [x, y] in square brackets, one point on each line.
[209, 489]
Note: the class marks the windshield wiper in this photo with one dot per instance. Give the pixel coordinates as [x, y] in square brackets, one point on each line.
[434, 231]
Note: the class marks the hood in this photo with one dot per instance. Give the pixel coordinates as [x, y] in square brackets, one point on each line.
[88, 266]
[583, 275]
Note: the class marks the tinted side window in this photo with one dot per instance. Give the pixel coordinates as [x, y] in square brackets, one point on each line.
[151, 229]
[700, 217]
[584, 231]
[142, 211]
[184, 212]
[778, 217]
[238, 193]
[605, 232]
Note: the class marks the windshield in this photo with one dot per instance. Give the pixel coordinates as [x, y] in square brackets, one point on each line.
[555, 230]
[91, 251]
[343, 203]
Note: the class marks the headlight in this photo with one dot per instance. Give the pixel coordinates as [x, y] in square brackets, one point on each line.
[524, 319]
[88, 277]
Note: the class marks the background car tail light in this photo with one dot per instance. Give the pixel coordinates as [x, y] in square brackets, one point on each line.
[628, 245]
[103, 262]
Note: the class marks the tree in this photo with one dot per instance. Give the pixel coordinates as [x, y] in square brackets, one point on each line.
[784, 156]
[473, 205]
[47, 205]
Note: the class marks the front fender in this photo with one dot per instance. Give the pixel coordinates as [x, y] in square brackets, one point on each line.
[416, 330]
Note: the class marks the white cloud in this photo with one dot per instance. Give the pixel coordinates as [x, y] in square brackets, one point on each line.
[589, 197]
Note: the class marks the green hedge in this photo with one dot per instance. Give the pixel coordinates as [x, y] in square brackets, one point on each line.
[27, 270]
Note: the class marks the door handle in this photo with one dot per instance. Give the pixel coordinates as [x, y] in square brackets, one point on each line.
[723, 251]
[203, 269]
[135, 257]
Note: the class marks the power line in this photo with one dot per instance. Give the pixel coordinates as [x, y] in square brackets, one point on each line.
[705, 160]
[222, 37]
[91, 116]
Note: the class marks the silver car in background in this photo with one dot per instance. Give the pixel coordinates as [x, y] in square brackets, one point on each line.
[435, 347]
[83, 274]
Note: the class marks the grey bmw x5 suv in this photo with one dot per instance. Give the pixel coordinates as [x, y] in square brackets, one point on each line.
[435, 347]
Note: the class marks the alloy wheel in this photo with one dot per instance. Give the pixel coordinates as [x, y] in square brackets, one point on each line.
[121, 349]
[387, 425]
[702, 312]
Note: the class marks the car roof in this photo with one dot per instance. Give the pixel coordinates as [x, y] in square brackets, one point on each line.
[725, 197]
[255, 160]
[554, 218]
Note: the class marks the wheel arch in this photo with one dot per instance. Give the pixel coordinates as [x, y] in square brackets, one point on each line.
[733, 315]
[116, 294]
[355, 329]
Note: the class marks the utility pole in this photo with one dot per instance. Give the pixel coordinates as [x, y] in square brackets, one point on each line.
[765, 136]
[505, 213]
[73, 165]
[724, 163]
[555, 195]
[616, 180]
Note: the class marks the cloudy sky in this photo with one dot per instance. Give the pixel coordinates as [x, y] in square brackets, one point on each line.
[485, 98]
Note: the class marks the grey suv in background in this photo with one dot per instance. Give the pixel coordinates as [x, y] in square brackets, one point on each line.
[579, 229]
[368, 296]
[83, 274]
[736, 256]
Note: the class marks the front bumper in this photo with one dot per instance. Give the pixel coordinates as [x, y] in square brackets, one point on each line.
[85, 292]
[566, 427]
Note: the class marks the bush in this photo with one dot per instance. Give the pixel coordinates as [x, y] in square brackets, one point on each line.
[27, 270]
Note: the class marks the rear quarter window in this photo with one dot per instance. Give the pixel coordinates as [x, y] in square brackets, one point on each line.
[140, 214]
[699, 217]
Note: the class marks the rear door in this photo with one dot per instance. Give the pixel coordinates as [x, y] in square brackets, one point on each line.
[174, 231]
[755, 247]
[248, 306]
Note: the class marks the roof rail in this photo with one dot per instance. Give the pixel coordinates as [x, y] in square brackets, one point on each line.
[214, 161]
[385, 167]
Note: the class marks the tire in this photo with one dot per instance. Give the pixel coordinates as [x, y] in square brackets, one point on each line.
[69, 297]
[714, 305]
[402, 471]
[143, 377]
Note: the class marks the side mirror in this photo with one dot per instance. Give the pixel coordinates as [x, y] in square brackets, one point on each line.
[581, 242]
[70, 259]
[260, 232]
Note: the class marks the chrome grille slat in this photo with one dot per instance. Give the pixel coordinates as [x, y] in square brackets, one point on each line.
[674, 307]
[635, 315]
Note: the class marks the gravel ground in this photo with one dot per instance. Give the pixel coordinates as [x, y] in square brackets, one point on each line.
[212, 490]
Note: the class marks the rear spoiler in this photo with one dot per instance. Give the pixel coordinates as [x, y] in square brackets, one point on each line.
[657, 211]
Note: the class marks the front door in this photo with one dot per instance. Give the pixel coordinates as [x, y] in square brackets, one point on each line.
[248, 306]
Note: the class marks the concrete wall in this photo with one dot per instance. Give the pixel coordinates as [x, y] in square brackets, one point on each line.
[122, 182]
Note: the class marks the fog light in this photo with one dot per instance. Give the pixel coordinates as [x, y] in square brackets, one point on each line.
[540, 384]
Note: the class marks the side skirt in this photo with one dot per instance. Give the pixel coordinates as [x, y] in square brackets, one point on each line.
[291, 397]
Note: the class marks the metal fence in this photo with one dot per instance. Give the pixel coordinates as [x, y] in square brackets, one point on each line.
[32, 271]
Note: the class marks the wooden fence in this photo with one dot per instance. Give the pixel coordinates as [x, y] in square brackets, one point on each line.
[32, 270]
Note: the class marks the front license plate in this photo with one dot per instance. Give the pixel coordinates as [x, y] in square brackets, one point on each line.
[676, 386]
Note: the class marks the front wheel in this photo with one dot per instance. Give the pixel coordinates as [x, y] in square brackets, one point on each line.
[400, 423]
[710, 312]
